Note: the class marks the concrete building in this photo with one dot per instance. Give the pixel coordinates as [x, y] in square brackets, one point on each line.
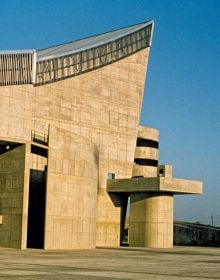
[196, 234]
[72, 150]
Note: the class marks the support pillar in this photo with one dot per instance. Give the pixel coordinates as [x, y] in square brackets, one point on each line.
[151, 191]
[151, 220]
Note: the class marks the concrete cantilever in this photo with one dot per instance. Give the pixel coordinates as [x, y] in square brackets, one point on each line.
[154, 184]
[151, 206]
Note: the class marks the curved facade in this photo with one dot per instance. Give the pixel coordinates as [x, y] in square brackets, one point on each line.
[69, 121]
[146, 152]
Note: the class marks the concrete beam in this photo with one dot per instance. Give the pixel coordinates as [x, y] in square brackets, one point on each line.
[154, 184]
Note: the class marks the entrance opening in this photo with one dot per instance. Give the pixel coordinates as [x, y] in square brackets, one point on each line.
[124, 222]
[6, 146]
[36, 209]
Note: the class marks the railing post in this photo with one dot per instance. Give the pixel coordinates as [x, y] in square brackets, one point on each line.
[34, 62]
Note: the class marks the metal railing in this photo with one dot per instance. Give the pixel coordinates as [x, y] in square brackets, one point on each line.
[16, 67]
[70, 65]
[22, 67]
[39, 137]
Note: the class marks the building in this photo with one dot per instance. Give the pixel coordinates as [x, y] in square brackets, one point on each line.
[186, 233]
[72, 150]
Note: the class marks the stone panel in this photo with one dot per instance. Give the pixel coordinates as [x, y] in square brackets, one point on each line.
[71, 191]
[15, 112]
[12, 179]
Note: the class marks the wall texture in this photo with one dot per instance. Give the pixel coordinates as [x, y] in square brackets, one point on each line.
[12, 168]
[104, 107]
[92, 121]
[151, 220]
[71, 191]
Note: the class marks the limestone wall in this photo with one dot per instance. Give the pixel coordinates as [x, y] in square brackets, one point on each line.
[71, 191]
[16, 112]
[12, 173]
[102, 106]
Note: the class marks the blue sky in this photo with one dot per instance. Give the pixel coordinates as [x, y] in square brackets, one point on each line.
[182, 94]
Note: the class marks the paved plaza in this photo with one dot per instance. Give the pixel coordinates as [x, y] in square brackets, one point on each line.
[126, 263]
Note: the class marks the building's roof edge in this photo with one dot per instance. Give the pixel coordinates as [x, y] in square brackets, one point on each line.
[89, 42]
[16, 51]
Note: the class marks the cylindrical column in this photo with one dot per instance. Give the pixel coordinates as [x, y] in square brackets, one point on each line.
[146, 152]
[151, 220]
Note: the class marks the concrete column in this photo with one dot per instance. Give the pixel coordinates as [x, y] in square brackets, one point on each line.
[151, 220]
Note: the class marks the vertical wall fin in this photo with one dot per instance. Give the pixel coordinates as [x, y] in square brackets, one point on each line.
[16, 67]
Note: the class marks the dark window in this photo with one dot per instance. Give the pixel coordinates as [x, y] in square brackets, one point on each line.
[39, 151]
[161, 172]
[146, 162]
[141, 142]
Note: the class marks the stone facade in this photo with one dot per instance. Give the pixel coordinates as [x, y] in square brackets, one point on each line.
[65, 133]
